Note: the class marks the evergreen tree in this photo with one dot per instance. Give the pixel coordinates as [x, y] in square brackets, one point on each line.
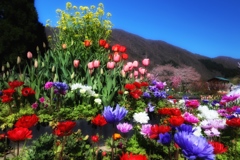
[20, 30]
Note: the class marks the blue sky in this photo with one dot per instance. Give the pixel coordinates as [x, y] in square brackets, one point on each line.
[206, 27]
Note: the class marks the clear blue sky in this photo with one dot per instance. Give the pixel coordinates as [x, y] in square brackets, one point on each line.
[206, 27]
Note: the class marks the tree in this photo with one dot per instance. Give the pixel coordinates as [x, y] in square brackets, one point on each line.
[176, 77]
[20, 30]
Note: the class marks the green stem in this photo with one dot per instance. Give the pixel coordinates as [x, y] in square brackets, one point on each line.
[63, 144]
[169, 153]
[17, 148]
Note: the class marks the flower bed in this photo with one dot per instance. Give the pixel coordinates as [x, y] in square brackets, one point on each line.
[84, 94]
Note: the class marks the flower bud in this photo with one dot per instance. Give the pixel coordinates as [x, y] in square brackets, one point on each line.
[3, 68]
[86, 137]
[53, 68]
[7, 73]
[43, 64]
[29, 55]
[72, 75]
[55, 78]
[8, 65]
[44, 45]
[76, 63]
[101, 71]
[35, 63]
[64, 46]
[37, 49]
[18, 60]
[4, 75]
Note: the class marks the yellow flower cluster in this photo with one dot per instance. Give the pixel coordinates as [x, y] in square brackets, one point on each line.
[83, 20]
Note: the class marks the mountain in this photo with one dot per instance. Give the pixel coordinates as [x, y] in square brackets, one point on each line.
[161, 53]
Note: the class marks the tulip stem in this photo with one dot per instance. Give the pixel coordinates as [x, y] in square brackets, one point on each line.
[169, 153]
[17, 148]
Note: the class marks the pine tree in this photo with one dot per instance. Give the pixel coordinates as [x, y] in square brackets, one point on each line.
[20, 30]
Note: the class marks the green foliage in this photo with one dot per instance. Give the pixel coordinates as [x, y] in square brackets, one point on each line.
[41, 148]
[134, 146]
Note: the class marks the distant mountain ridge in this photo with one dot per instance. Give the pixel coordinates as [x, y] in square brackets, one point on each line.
[161, 53]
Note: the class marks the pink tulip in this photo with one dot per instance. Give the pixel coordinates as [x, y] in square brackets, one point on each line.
[135, 73]
[90, 65]
[149, 75]
[142, 70]
[130, 65]
[135, 64]
[76, 63]
[125, 68]
[29, 55]
[96, 63]
[116, 57]
[123, 73]
[110, 65]
[145, 62]
[130, 75]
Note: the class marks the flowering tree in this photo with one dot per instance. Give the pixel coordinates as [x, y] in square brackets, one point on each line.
[180, 76]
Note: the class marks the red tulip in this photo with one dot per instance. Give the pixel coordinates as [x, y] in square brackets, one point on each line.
[145, 62]
[87, 43]
[110, 65]
[102, 42]
[76, 63]
[115, 47]
[122, 49]
[29, 55]
[106, 46]
[27, 121]
[19, 134]
[125, 56]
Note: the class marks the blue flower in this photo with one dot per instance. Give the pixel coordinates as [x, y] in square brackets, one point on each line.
[114, 116]
[205, 101]
[185, 127]
[214, 102]
[150, 107]
[165, 138]
[152, 88]
[146, 95]
[237, 111]
[194, 147]
[60, 87]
